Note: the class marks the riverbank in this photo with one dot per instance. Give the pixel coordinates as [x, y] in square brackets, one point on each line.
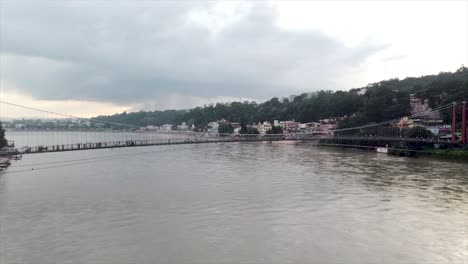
[4, 163]
[454, 152]
[459, 154]
[7, 154]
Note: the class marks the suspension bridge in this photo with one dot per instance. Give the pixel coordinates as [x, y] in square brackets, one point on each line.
[447, 125]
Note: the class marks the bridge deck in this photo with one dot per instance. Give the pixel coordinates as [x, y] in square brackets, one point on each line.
[159, 142]
[140, 143]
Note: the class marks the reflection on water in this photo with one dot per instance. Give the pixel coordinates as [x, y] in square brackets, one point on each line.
[234, 203]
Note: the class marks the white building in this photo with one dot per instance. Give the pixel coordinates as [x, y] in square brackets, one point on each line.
[166, 127]
[183, 126]
[85, 123]
[213, 127]
[264, 127]
[277, 123]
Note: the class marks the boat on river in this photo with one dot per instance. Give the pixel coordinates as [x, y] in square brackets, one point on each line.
[382, 150]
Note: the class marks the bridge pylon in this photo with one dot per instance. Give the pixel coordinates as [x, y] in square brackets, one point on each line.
[454, 121]
[464, 136]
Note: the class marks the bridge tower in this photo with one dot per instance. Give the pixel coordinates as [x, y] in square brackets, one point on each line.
[464, 136]
[454, 121]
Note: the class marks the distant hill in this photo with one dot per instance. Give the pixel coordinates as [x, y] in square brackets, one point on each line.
[376, 102]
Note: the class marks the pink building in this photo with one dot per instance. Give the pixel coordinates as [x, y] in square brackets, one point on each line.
[420, 106]
[290, 126]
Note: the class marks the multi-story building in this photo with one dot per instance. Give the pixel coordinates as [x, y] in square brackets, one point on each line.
[213, 127]
[311, 127]
[182, 126]
[290, 126]
[166, 127]
[264, 127]
[326, 126]
[276, 123]
[420, 106]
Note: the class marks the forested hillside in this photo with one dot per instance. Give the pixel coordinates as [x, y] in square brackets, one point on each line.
[3, 140]
[378, 102]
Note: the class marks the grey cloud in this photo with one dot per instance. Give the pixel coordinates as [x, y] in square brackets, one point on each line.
[136, 51]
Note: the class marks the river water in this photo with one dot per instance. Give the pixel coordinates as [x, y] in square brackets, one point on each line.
[233, 203]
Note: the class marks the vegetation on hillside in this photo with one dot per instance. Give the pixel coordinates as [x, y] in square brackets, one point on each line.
[248, 130]
[419, 132]
[3, 140]
[275, 130]
[381, 101]
[225, 128]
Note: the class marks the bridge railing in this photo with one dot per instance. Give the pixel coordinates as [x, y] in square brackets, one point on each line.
[152, 142]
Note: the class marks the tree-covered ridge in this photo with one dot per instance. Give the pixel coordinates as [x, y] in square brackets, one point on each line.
[374, 103]
[3, 140]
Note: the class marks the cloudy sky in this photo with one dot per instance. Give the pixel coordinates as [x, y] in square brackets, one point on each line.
[100, 57]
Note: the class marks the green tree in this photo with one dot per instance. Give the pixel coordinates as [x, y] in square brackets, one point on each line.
[249, 130]
[275, 130]
[225, 128]
[243, 125]
[382, 101]
[3, 141]
[419, 132]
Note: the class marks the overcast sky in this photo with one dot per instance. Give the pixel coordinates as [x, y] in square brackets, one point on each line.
[99, 57]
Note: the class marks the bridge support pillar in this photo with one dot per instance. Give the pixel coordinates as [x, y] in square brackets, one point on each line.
[454, 121]
[464, 139]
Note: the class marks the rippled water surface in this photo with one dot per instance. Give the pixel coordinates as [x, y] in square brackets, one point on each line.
[233, 203]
